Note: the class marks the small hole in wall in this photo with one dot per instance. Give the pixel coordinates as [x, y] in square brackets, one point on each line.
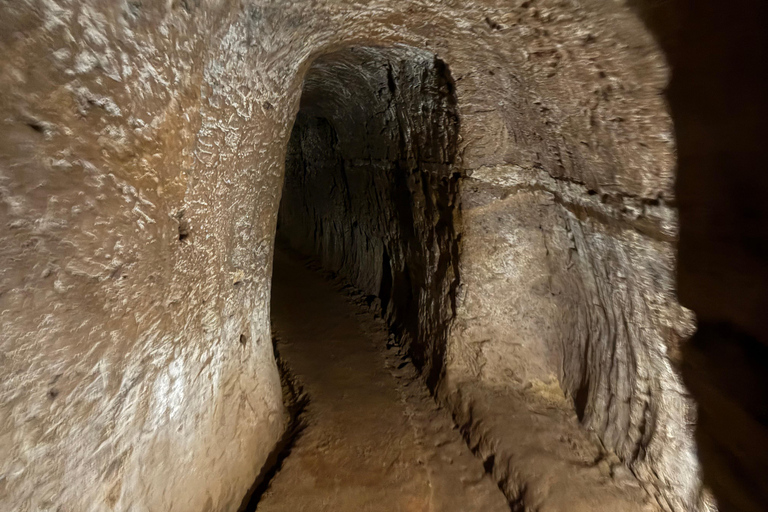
[580, 401]
[183, 226]
[493, 24]
[183, 231]
[53, 393]
[38, 127]
[592, 192]
[243, 339]
[488, 464]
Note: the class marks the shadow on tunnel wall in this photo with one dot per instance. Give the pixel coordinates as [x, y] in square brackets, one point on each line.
[718, 98]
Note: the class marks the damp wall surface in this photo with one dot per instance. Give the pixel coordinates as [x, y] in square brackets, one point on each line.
[141, 160]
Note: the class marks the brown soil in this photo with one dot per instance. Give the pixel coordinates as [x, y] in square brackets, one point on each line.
[372, 438]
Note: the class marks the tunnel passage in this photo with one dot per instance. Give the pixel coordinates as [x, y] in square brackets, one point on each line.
[371, 188]
[120, 310]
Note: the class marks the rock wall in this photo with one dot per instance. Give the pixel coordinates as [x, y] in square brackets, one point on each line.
[137, 369]
[141, 161]
[580, 289]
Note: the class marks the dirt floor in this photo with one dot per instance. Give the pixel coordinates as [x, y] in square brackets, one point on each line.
[369, 436]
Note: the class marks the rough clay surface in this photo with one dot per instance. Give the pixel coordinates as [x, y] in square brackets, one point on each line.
[371, 437]
[142, 150]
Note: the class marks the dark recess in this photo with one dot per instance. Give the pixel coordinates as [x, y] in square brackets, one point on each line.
[717, 96]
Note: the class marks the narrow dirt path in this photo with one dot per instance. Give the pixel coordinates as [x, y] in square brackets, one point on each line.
[372, 437]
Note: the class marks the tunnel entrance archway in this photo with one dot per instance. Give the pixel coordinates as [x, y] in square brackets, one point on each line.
[371, 186]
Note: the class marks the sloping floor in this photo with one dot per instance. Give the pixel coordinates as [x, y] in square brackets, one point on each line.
[372, 438]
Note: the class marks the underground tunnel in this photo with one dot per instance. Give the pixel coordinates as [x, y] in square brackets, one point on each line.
[369, 195]
[371, 186]
[435, 255]
[372, 194]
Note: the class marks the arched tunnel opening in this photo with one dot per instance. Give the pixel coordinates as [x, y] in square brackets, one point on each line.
[370, 203]
[371, 186]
